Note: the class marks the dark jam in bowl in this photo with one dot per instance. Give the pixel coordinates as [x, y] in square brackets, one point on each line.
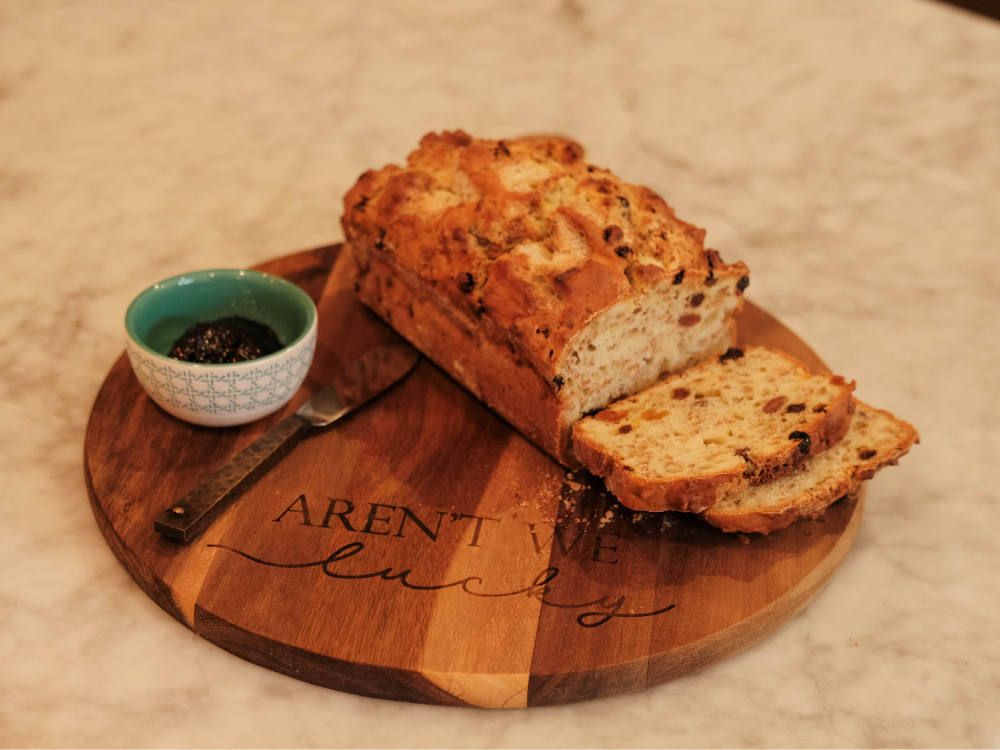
[225, 340]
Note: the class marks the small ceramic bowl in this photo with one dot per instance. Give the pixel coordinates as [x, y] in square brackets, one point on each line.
[226, 394]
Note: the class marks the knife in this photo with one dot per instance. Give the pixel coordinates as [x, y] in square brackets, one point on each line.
[354, 386]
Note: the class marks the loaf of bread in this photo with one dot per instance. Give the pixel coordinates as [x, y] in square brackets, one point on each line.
[875, 439]
[546, 286]
[743, 418]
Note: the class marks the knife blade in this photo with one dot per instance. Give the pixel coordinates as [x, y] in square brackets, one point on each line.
[351, 388]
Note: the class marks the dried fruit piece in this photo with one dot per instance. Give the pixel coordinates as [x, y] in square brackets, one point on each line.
[774, 404]
[611, 416]
[805, 442]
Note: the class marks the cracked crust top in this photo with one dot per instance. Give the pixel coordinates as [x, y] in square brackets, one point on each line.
[527, 237]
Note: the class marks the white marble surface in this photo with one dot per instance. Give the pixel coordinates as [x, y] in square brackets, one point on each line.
[849, 152]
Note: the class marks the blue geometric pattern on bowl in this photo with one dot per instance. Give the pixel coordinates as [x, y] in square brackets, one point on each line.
[215, 390]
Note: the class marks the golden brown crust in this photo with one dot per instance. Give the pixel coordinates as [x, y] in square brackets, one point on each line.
[636, 493]
[503, 381]
[511, 249]
[766, 522]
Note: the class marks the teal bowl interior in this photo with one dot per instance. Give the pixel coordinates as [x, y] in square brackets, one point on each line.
[161, 314]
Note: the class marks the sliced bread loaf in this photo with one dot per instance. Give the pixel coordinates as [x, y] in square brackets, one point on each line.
[545, 285]
[735, 420]
[875, 439]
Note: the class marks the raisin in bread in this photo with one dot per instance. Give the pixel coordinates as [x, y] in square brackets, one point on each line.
[546, 286]
[874, 440]
[739, 419]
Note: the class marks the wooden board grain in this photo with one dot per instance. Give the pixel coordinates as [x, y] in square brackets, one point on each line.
[422, 550]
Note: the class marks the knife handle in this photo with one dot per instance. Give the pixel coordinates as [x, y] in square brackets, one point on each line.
[193, 513]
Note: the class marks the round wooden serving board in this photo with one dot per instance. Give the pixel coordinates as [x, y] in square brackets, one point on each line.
[422, 550]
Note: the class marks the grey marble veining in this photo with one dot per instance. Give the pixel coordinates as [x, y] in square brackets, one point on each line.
[849, 152]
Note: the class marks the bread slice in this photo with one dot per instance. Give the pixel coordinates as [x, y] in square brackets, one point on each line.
[543, 284]
[739, 419]
[875, 439]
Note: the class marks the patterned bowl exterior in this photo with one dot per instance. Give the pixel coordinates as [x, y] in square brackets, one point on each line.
[221, 396]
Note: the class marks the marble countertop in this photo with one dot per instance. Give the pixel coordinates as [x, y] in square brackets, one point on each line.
[848, 152]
